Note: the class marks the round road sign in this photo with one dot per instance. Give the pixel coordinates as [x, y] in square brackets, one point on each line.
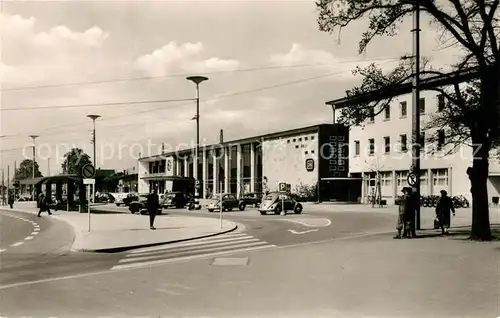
[88, 171]
[412, 179]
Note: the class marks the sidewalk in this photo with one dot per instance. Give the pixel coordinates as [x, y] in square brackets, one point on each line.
[463, 216]
[114, 232]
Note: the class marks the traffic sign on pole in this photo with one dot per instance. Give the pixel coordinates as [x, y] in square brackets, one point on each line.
[412, 179]
[88, 181]
[88, 171]
[282, 186]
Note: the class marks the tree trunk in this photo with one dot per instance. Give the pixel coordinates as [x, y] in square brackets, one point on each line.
[478, 176]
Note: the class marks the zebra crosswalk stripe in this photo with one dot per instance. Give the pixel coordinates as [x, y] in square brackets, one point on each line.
[192, 249]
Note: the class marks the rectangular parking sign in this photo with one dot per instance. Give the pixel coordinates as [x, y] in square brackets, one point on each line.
[282, 186]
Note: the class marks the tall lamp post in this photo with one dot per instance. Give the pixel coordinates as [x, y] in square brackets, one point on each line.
[94, 117]
[33, 137]
[416, 110]
[197, 80]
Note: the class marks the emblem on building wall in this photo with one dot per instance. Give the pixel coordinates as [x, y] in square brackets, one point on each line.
[169, 165]
[309, 164]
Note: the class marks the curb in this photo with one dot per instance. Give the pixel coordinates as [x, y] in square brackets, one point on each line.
[131, 247]
[79, 237]
[77, 233]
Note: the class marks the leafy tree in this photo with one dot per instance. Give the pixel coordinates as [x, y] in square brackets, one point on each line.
[471, 113]
[74, 161]
[25, 170]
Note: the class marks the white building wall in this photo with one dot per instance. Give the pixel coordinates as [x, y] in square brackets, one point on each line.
[283, 160]
[395, 164]
[142, 185]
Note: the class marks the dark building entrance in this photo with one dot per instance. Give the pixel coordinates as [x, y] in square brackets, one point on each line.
[340, 189]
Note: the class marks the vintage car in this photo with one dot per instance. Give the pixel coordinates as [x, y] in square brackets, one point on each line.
[177, 200]
[140, 205]
[229, 202]
[252, 199]
[131, 197]
[119, 198]
[275, 201]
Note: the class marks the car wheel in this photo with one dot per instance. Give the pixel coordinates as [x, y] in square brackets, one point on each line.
[263, 213]
[230, 209]
[118, 204]
[242, 207]
[210, 210]
[277, 210]
[298, 209]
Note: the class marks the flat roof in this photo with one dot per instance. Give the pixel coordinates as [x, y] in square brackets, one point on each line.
[273, 135]
[397, 90]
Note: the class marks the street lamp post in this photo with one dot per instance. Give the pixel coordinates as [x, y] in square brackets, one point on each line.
[33, 137]
[197, 80]
[94, 117]
[416, 111]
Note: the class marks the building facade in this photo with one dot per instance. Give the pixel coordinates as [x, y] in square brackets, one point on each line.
[381, 151]
[300, 157]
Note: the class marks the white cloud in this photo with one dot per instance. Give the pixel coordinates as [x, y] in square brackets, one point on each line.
[326, 61]
[59, 53]
[185, 57]
[300, 55]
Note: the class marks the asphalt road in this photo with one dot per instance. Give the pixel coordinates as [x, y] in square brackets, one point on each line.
[312, 225]
[46, 258]
[364, 277]
[45, 254]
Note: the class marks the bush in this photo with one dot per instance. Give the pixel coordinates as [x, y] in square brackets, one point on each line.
[305, 193]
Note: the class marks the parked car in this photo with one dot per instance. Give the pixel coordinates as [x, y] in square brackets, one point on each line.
[175, 200]
[130, 198]
[252, 199]
[119, 198]
[139, 204]
[273, 202]
[229, 202]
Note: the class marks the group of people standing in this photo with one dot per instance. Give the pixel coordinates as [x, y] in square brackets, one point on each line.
[408, 206]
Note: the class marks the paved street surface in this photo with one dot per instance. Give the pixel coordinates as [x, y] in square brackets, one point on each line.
[365, 277]
[45, 249]
[317, 264]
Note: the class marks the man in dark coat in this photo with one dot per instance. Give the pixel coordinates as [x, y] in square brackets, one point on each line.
[411, 213]
[44, 205]
[443, 208]
[153, 203]
[11, 199]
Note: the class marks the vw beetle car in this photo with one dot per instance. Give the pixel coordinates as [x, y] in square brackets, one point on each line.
[229, 202]
[140, 205]
[273, 201]
[253, 198]
[175, 200]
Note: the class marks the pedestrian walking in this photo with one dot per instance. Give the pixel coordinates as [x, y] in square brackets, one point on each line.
[11, 199]
[44, 205]
[443, 208]
[153, 203]
[404, 207]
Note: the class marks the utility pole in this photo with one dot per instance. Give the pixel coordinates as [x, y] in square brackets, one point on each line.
[416, 110]
[34, 164]
[48, 167]
[3, 188]
[8, 180]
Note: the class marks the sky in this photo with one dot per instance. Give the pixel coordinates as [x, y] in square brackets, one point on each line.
[269, 69]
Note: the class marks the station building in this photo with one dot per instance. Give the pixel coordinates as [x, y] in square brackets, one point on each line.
[381, 151]
[300, 157]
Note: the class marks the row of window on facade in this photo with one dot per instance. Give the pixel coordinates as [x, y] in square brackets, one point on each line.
[403, 143]
[298, 141]
[439, 178]
[403, 109]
